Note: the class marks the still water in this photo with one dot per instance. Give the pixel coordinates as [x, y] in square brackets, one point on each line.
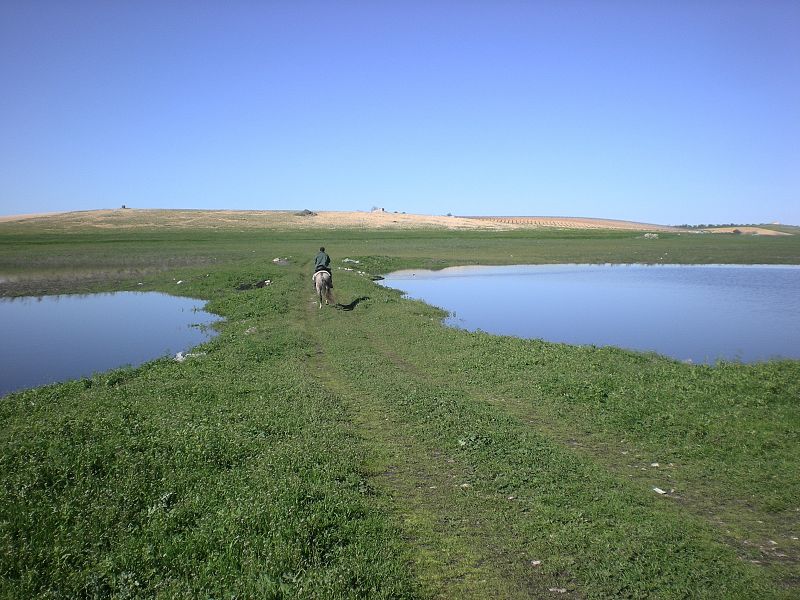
[698, 313]
[54, 338]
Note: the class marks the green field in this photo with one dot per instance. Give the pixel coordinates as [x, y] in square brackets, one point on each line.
[365, 450]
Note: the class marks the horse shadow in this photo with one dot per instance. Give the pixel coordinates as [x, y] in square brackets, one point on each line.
[353, 304]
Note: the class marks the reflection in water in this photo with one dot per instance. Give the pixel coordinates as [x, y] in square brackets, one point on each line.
[700, 313]
[53, 338]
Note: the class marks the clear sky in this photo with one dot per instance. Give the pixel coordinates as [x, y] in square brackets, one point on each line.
[666, 112]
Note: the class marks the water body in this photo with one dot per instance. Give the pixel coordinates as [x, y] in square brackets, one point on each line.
[698, 313]
[55, 338]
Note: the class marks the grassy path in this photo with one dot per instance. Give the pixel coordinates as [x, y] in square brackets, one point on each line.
[455, 554]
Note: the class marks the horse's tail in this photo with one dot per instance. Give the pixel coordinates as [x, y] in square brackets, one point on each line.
[327, 280]
[322, 282]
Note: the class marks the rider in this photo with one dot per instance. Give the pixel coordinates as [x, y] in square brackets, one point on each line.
[322, 262]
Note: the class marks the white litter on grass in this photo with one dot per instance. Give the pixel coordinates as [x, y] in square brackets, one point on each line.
[654, 465]
[181, 356]
[535, 563]
[350, 260]
[659, 490]
[558, 590]
[180, 281]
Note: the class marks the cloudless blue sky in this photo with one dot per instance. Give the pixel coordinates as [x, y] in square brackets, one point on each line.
[665, 112]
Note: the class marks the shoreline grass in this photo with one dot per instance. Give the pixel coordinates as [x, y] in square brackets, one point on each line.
[372, 452]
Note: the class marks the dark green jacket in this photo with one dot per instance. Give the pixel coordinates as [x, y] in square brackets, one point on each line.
[322, 261]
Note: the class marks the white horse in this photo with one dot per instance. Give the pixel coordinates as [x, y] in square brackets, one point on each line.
[322, 283]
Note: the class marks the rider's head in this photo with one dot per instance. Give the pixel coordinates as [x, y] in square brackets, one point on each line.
[322, 248]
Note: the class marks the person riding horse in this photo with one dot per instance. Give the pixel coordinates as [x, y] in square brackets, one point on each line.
[322, 262]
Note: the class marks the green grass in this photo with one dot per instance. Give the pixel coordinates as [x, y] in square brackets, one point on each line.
[46, 262]
[548, 424]
[229, 475]
[372, 452]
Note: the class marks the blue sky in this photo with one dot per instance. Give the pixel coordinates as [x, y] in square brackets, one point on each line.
[669, 112]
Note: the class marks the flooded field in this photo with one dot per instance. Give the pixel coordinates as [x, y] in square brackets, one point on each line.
[55, 338]
[698, 313]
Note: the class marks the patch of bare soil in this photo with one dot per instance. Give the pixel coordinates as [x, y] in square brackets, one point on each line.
[8, 218]
[576, 223]
[746, 230]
